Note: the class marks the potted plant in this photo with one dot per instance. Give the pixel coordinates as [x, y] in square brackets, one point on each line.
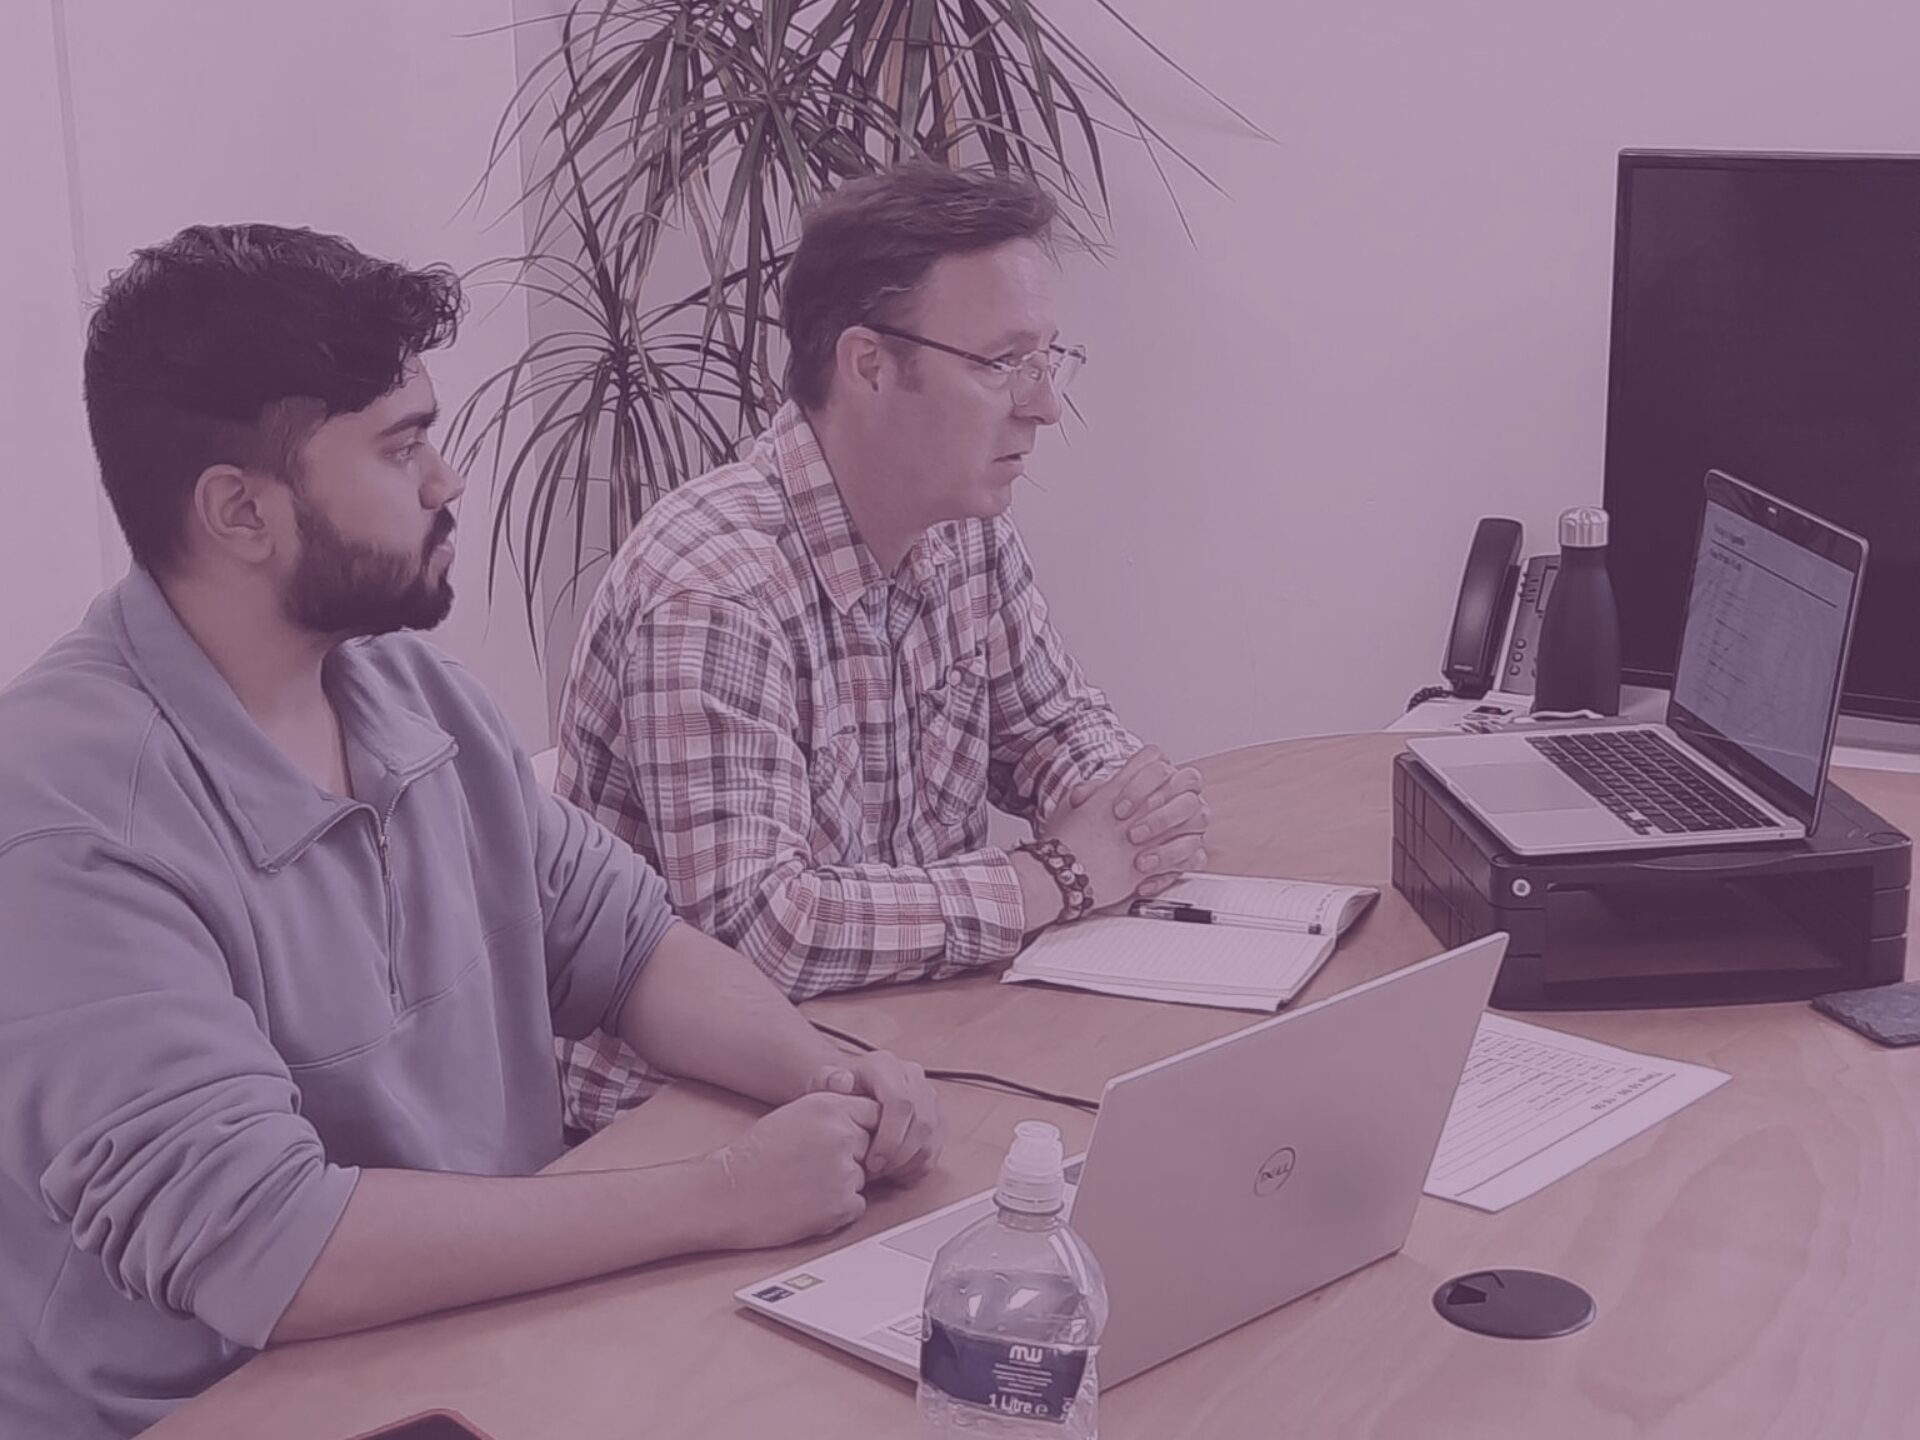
[709, 125]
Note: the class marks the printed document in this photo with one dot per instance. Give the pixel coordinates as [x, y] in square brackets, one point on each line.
[1535, 1105]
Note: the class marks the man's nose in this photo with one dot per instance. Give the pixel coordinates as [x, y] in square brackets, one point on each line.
[1043, 403]
[445, 484]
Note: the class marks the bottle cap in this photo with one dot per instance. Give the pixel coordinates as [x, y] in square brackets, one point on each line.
[1584, 527]
[1032, 1177]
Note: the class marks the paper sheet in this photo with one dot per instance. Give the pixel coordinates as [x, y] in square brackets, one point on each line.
[1535, 1104]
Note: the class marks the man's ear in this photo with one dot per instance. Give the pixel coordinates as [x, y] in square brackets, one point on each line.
[231, 509]
[859, 360]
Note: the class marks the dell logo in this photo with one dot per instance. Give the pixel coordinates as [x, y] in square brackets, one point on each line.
[1274, 1171]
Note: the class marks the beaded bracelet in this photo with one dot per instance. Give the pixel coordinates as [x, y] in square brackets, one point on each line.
[1076, 887]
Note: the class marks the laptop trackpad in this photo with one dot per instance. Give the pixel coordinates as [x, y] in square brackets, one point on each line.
[1520, 786]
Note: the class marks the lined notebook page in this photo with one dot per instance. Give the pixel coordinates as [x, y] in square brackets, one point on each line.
[1168, 955]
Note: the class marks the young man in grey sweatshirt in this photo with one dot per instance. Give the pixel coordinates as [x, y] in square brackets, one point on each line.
[290, 926]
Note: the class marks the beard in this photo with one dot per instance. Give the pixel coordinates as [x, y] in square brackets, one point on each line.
[345, 588]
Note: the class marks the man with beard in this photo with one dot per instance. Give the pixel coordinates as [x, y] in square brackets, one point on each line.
[291, 929]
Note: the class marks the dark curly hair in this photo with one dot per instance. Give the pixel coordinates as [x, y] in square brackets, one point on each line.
[230, 344]
[865, 249]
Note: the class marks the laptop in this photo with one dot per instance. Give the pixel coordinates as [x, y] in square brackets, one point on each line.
[1742, 757]
[1218, 1184]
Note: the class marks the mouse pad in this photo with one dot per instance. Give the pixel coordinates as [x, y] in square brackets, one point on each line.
[1887, 1013]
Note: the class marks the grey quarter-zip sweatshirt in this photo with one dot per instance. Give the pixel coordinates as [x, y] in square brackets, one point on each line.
[224, 991]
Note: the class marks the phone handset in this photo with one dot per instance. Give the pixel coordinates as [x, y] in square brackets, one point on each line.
[1489, 611]
[1480, 614]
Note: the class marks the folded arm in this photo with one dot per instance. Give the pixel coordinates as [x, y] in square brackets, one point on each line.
[146, 1107]
[409, 1242]
[710, 707]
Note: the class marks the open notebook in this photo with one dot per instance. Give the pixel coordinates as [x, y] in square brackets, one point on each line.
[1267, 939]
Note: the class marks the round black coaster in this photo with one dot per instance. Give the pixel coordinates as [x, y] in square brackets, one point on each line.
[1515, 1304]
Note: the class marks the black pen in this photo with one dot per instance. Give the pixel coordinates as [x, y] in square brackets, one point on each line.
[1200, 915]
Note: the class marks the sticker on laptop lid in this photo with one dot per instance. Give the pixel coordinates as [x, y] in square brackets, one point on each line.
[801, 1282]
[772, 1293]
[913, 1325]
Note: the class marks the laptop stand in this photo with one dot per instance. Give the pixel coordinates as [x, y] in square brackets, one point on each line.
[1713, 926]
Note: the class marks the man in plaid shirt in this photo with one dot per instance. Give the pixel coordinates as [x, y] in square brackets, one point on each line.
[808, 674]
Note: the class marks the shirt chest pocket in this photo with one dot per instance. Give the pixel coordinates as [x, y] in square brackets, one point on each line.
[951, 750]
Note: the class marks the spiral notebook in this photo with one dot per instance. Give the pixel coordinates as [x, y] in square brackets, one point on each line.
[1261, 942]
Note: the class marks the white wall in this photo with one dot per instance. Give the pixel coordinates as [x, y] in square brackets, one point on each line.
[1395, 321]
[363, 117]
[50, 562]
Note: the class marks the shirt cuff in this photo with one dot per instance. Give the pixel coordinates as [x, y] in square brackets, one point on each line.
[244, 1294]
[1073, 765]
[981, 903]
[630, 975]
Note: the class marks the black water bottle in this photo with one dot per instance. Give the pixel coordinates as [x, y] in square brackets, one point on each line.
[1579, 663]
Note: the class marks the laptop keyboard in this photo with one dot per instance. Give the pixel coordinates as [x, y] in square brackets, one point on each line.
[922, 1240]
[1648, 783]
[900, 1338]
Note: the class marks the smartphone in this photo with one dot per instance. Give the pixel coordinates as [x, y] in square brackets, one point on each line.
[432, 1425]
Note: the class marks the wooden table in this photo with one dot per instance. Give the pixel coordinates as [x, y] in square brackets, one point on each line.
[1753, 1258]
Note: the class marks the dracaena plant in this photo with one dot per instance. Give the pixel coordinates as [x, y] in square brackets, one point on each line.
[709, 125]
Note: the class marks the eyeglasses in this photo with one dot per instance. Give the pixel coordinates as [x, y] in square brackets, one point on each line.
[1023, 373]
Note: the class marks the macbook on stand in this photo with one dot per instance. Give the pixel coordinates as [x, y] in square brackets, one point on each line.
[1743, 755]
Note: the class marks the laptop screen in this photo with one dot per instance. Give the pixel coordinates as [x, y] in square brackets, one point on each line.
[1764, 645]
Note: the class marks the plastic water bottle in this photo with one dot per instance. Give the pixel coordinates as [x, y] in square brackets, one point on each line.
[1015, 1307]
[1579, 664]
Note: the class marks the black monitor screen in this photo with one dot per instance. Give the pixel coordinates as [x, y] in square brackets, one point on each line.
[1766, 322]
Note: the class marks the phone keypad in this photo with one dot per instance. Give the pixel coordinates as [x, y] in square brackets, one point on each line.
[1536, 585]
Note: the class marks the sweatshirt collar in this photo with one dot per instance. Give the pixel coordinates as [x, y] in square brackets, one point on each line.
[277, 808]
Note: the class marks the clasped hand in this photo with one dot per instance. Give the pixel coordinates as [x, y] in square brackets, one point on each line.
[1136, 831]
[803, 1169]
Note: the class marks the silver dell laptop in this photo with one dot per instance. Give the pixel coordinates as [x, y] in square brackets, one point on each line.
[1219, 1184]
[1756, 693]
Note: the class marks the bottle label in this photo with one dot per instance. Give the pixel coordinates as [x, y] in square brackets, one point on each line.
[1037, 1382]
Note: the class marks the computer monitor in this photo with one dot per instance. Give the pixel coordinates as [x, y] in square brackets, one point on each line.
[1766, 321]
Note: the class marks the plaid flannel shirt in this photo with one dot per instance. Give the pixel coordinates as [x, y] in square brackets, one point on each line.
[806, 748]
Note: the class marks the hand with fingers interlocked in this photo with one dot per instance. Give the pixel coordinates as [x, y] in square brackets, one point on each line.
[1136, 831]
[906, 1132]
